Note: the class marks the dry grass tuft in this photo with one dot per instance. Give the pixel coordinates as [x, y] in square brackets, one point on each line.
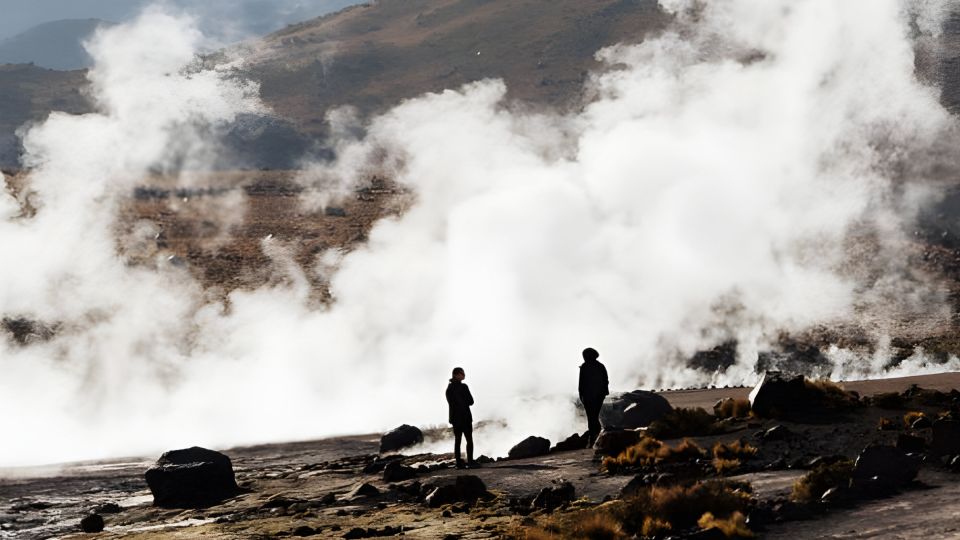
[599, 526]
[912, 416]
[811, 486]
[736, 450]
[734, 526]
[683, 423]
[732, 408]
[682, 506]
[650, 451]
[655, 527]
[726, 466]
[887, 424]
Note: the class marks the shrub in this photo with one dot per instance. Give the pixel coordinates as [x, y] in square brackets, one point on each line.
[732, 408]
[726, 466]
[735, 450]
[683, 423]
[734, 526]
[682, 506]
[650, 451]
[599, 526]
[655, 527]
[811, 486]
[830, 394]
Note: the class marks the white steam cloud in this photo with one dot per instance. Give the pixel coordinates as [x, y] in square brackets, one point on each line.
[709, 192]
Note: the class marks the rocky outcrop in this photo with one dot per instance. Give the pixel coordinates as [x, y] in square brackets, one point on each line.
[191, 478]
[400, 438]
[633, 410]
[530, 447]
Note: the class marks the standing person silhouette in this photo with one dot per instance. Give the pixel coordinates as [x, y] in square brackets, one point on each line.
[593, 388]
[459, 399]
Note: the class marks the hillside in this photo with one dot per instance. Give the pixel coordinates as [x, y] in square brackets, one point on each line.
[373, 56]
[53, 45]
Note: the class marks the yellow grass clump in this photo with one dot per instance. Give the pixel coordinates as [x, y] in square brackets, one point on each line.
[811, 486]
[650, 451]
[732, 408]
[912, 416]
[734, 526]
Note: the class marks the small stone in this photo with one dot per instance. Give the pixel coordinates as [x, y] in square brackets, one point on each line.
[304, 530]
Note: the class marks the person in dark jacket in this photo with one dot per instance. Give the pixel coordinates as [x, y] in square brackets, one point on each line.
[593, 388]
[460, 400]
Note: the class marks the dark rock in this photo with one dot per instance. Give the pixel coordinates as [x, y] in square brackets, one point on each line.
[777, 395]
[633, 410]
[791, 397]
[398, 472]
[92, 524]
[837, 496]
[921, 423]
[911, 444]
[327, 499]
[356, 532]
[465, 489]
[954, 463]
[361, 490]
[573, 442]
[613, 442]
[530, 447]
[483, 460]
[713, 533]
[304, 530]
[946, 438]
[776, 433]
[401, 437]
[551, 498]
[823, 461]
[334, 211]
[884, 465]
[191, 478]
[635, 485]
[108, 508]
[715, 360]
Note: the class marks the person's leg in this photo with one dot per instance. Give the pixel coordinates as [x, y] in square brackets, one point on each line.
[593, 420]
[468, 434]
[457, 434]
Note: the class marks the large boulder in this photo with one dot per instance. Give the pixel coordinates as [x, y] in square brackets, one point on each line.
[612, 442]
[92, 523]
[946, 437]
[530, 447]
[778, 395]
[401, 437]
[633, 410]
[573, 442]
[885, 466]
[191, 478]
[466, 488]
[793, 397]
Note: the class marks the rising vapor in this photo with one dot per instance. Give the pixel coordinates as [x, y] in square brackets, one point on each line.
[709, 191]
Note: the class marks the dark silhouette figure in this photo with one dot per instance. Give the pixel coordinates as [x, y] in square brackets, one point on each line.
[593, 388]
[460, 400]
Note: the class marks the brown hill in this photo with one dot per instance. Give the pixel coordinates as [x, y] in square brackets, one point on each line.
[373, 56]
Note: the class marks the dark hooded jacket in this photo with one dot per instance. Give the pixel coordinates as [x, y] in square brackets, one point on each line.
[460, 400]
[593, 382]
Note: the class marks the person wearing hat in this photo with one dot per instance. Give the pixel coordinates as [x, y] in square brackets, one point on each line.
[459, 399]
[593, 389]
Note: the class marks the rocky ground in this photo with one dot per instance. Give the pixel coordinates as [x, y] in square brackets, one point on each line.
[343, 488]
